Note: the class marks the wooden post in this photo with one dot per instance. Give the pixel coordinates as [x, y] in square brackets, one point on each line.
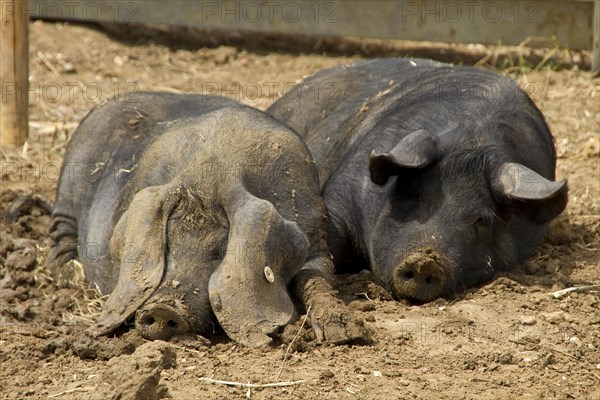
[596, 45]
[14, 72]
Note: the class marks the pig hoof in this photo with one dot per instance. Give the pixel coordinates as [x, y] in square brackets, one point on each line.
[333, 323]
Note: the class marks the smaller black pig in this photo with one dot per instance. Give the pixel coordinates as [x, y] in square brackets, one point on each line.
[183, 205]
[437, 176]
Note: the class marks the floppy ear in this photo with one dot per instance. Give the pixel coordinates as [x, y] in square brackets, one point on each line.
[530, 194]
[138, 245]
[417, 150]
[248, 291]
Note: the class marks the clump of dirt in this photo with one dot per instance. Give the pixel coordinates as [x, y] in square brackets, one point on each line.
[137, 376]
[103, 348]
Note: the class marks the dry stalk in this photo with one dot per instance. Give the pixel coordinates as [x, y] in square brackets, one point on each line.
[250, 385]
[287, 351]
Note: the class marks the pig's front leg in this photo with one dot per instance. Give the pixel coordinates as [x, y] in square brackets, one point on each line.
[331, 320]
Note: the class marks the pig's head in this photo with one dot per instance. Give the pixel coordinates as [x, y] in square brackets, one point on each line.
[452, 218]
[171, 243]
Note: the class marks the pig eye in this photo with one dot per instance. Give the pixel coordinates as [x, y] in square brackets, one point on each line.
[486, 218]
[476, 221]
[480, 221]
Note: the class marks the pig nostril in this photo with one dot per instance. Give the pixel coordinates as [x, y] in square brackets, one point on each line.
[160, 322]
[420, 276]
[172, 324]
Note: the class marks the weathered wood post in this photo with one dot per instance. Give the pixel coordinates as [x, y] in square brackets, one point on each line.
[596, 45]
[14, 72]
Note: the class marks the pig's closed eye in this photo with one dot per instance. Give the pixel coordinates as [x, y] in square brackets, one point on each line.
[483, 219]
[478, 220]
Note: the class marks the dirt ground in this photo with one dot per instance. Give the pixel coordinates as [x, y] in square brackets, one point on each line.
[508, 339]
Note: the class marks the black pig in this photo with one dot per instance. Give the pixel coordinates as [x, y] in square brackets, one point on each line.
[182, 205]
[438, 176]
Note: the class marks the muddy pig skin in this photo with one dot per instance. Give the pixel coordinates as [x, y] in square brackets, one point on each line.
[184, 208]
[436, 176]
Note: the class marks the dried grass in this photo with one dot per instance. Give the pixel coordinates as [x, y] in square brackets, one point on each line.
[86, 300]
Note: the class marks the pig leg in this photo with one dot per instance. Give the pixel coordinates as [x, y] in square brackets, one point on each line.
[330, 318]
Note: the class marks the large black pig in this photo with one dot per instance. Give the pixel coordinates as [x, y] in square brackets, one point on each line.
[179, 206]
[437, 176]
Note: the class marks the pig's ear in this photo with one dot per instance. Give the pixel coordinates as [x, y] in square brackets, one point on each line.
[417, 150]
[248, 291]
[530, 194]
[138, 245]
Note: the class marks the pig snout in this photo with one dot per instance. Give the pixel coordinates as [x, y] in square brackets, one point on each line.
[160, 322]
[420, 277]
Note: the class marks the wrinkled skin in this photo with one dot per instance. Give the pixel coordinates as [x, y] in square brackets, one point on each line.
[436, 176]
[192, 211]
